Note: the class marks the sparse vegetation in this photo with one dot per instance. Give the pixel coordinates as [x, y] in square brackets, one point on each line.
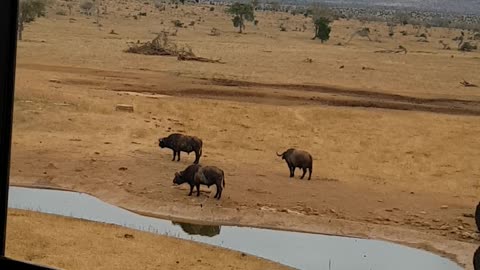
[467, 47]
[214, 32]
[61, 12]
[70, 7]
[29, 11]
[177, 23]
[445, 45]
[241, 12]
[87, 7]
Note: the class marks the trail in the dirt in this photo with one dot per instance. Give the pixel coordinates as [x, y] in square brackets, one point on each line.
[254, 92]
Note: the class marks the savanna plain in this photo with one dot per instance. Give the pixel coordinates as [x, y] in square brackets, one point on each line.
[394, 136]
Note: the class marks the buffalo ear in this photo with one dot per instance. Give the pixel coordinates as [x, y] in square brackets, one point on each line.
[177, 174]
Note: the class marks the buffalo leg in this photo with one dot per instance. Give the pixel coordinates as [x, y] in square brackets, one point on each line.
[174, 155]
[292, 171]
[304, 172]
[178, 156]
[219, 191]
[198, 190]
[216, 193]
[309, 173]
[191, 190]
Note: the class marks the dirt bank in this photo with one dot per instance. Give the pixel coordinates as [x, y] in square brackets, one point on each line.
[75, 244]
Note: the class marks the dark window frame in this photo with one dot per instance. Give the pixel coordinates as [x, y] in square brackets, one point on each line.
[8, 53]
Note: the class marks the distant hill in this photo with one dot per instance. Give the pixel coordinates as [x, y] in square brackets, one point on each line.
[456, 6]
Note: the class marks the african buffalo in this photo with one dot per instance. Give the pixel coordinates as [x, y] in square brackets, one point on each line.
[196, 175]
[477, 216]
[298, 159]
[179, 142]
[476, 259]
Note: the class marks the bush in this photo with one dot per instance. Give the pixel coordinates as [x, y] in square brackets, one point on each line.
[177, 23]
[467, 47]
[322, 29]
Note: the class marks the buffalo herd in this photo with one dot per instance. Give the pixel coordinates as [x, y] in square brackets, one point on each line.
[196, 174]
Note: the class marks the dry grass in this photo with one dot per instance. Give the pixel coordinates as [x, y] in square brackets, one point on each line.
[75, 244]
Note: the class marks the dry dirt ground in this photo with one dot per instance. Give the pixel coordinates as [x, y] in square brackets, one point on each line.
[394, 136]
[74, 244]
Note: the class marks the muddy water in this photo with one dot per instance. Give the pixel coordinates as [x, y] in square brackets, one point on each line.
[298, 250]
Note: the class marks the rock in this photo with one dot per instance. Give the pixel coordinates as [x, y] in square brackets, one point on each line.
[467, 235]
[423, 212]
[122, 168]
[444, 228]
[380, 201]
[436, 220]
[444, 207]
[389, 210]
[51, 166]
[468, 215]
[461, 228]
[124, 107]
[128, 236]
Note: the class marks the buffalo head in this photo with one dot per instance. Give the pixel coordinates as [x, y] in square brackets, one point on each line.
[162, 143]
[178, 179]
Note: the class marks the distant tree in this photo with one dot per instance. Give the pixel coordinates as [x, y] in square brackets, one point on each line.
[240, 13]
[322, 29]
[403, 18]
[29, 10]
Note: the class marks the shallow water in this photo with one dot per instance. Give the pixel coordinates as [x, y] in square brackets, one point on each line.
[298, 250]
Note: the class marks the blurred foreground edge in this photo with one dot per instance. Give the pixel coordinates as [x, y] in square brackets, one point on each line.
[8, 48]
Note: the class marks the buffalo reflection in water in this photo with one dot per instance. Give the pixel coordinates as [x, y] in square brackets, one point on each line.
[195, 229]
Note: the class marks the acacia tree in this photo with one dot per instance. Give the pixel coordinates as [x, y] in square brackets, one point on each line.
[241, 12]
[322, 29]
[29, 10]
